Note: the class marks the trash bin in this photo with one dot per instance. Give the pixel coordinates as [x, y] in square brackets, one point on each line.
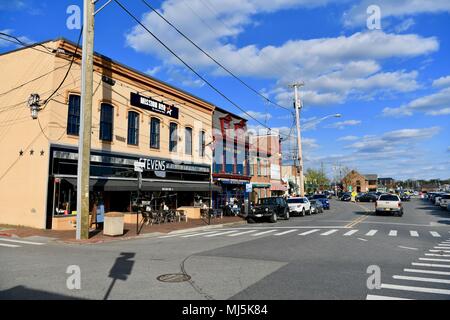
[113, 224]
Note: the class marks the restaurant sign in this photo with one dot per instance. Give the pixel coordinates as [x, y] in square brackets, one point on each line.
[153, 105]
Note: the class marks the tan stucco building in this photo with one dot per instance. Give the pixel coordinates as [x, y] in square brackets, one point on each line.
[135, 118]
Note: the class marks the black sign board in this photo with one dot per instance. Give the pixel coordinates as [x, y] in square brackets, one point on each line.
[153, 105]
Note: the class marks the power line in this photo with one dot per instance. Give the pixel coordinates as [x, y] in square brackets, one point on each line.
[23, 43]
[190, 67]
[213, 59]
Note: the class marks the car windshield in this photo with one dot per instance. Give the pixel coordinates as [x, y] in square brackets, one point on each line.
[267, 201]
[296, 200]
[388, 197]
[318, 196]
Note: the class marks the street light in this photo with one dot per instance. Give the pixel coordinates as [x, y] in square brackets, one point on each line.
[317, 121]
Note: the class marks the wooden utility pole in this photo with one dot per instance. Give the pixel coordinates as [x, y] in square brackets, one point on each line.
[297, 105]
[84, 145]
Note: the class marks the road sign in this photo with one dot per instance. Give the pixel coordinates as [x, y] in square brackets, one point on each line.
[139, 166]
[349, 188]
[248, 187]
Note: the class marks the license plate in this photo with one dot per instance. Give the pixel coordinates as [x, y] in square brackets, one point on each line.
[388, 209]
[258, 215]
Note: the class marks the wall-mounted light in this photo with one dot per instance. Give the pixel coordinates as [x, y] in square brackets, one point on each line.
[34, 103]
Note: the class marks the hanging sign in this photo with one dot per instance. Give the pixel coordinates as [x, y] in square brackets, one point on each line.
[153, 105]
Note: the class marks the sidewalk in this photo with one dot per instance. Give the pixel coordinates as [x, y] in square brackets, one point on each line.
[96, 236]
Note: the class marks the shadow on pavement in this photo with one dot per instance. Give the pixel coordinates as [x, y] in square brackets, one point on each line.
[24, 293]
[120, 270]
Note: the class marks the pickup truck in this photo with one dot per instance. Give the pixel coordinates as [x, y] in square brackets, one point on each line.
[389, 203]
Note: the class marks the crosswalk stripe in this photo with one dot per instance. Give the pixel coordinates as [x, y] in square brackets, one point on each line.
[433, 259]
[378, 297]
[414, 233]
[437, 255]
[264, 232]
[329, 232]
[443, 273]
[240, 233]
[432, 250]
[393, 233]
[444, 245]
[421, 279]
[433, 265]
[219, 234]
[308, 232]
[198, 234]
[435, 234]
[414, 289]
[349, 233]
[440, 247]
[22, 241]
[285, 232]
[8, 245]
[371, 233]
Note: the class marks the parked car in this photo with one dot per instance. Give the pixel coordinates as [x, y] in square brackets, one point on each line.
[346, 196]
[368, 197]
[316, 206]
[437, 199]
[405, 197]
[299, 206]
[389, 203]
[322, 198]
[445, 201]
[269, 208]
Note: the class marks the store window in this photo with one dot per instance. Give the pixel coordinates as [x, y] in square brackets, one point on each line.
[133, 128]
[188, 141]
[155, 125]
[106, 122]
[173, 137]
[73, 117]
[202, 144]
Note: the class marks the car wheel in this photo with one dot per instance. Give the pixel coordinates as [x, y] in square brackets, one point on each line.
[303, 212]
[273, 218]
[286, 215]
[250, 220]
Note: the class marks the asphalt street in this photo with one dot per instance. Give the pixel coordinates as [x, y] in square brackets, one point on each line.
[323, 256]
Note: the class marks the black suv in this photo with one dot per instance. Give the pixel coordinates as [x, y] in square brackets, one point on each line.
[271, 208]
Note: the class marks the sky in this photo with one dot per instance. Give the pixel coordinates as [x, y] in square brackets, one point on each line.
[389, 78]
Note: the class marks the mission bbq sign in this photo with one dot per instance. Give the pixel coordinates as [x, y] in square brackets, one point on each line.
[153, 105]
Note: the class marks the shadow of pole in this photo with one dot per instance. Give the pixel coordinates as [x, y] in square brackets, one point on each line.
[120, 270]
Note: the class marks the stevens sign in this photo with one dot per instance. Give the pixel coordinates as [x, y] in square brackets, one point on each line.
[153, 105]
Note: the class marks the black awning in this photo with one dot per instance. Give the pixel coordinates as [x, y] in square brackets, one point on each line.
[132, 185]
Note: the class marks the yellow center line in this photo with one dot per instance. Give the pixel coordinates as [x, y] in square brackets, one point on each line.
[359, 219]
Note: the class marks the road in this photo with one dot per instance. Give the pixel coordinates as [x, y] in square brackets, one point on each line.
[323, 256]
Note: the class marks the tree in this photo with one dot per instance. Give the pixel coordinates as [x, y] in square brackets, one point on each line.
[316, 179]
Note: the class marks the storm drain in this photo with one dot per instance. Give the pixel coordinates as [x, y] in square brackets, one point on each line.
[174, 277]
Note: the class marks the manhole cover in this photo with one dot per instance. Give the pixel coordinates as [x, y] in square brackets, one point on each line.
[174, 277]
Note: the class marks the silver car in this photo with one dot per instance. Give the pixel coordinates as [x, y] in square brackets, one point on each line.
[389, 203]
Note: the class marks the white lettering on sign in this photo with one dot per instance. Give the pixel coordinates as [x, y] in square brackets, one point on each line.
[153, 164]
[153, 104]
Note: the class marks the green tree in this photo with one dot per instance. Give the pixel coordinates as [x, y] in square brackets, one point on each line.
[316, 180]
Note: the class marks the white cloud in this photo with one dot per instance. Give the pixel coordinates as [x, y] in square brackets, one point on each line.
[404, 25]
[348, 138]
[257, 115]
[343, 124]
[442, 82]
[357, 14]
[153, 71]
[434, 104]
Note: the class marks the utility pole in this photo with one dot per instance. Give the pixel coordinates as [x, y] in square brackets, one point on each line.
[297, 106]
[84, 143]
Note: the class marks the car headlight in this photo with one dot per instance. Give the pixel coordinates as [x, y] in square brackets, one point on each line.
[267, 209]
[253, 210]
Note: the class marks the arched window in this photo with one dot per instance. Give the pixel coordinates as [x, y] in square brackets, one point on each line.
[106, 122]
[133, 128]
[155, 125]
[188, 141]
[202, 143]
[173, 137]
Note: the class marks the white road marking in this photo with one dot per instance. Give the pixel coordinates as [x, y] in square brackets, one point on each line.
[414, 289]
[435, 234]
[219, 234]
[393, 233]
[349, 233]
[308, 232]
[264, 232]
[408, 248]
[362, 239]
[432, 259]
[443, 273]
[284, 232]
[433, 265]
[22, 241]
[434, 280]
[8, 245]
[329, 232]
[240, 233]
[432, 250]
[414, 233]
[198, 234]
[440, 247]
[377, 297]
[371, 233]
[437, 255]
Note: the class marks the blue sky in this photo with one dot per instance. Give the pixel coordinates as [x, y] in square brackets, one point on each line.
[391, 85]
